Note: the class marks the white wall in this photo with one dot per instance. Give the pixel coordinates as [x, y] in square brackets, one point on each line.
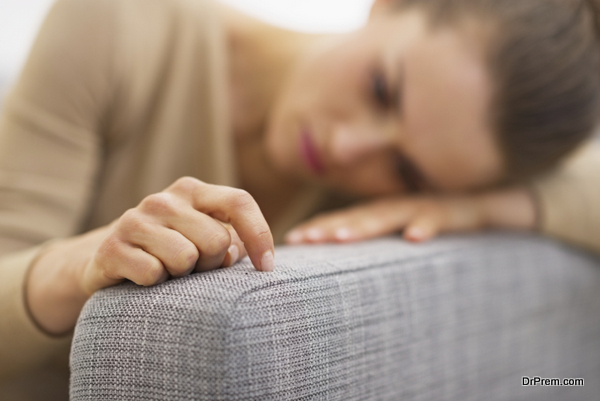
[308, 15]
[20, 19]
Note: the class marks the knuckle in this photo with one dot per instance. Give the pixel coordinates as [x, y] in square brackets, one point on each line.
[217, 244]
[131, 217]
[108, 249]
[152, 272]
[131, 222]
[185, 258]
[264, 235]
[186, 183]
[240, 199]
[159, 203]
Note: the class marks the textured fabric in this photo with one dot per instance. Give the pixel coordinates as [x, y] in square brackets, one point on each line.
[460, 318]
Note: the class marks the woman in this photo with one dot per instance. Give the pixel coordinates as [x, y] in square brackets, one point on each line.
[462, 101]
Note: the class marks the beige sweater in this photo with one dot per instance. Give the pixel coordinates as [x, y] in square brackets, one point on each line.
[118, 99]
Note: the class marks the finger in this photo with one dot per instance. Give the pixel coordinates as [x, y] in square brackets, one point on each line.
[141, 267]
[192, 240]
[236, 250]
[342, 228]
[424, 227]
[209, 236]
[356, 223]
[116, 260]
[445, 214]
[182, 238]
[236, 207]
[177, 253]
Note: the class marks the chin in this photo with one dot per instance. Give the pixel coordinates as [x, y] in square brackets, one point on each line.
[277, 154]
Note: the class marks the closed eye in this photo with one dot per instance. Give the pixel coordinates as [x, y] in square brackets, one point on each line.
[380, 90]
[410, 175]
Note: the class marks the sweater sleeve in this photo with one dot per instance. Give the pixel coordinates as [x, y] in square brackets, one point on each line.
[50, 155]
[569, 199]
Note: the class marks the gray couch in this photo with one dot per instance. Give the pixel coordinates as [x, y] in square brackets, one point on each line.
[458, 318]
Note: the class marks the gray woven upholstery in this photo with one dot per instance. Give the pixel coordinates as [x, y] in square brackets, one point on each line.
[459, 318]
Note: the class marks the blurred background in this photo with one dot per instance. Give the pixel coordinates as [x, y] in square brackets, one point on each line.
[20, 20]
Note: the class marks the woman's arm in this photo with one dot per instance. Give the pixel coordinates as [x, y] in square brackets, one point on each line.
[564, 204]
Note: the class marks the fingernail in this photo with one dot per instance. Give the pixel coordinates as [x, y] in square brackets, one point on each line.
[267, 262]
[415, 233]
[342, 234]
[294, 237]
[314, 234]
[234, 253]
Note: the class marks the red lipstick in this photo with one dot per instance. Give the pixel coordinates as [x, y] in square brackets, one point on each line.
[310, 154]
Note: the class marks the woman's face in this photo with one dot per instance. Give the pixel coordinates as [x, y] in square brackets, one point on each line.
[393, 107]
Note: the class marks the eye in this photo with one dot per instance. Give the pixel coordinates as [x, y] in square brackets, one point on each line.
[409, 174]
[379, 89]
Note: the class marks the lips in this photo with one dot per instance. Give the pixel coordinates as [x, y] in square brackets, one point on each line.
[310, 154]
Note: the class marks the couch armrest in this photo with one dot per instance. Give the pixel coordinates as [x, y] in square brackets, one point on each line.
[457, 318]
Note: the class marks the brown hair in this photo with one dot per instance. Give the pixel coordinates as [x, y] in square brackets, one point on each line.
[545, 61]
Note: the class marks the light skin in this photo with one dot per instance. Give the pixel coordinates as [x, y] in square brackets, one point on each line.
[435, 115]
[395, 91]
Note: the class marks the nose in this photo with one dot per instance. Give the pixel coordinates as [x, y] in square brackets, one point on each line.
[349, 145]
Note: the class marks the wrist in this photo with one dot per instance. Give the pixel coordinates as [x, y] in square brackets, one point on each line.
[53, 291]
[512, 208]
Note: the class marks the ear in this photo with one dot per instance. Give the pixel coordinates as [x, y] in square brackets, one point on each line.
[380, 6]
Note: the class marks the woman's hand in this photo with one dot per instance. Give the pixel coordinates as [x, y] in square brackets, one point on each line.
[181, 230]
[190, 226]
[420, 217]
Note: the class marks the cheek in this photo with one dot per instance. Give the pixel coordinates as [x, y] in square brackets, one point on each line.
[429, 142]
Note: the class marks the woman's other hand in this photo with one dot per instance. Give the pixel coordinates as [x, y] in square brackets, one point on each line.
[190, 226]
[421, 217]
